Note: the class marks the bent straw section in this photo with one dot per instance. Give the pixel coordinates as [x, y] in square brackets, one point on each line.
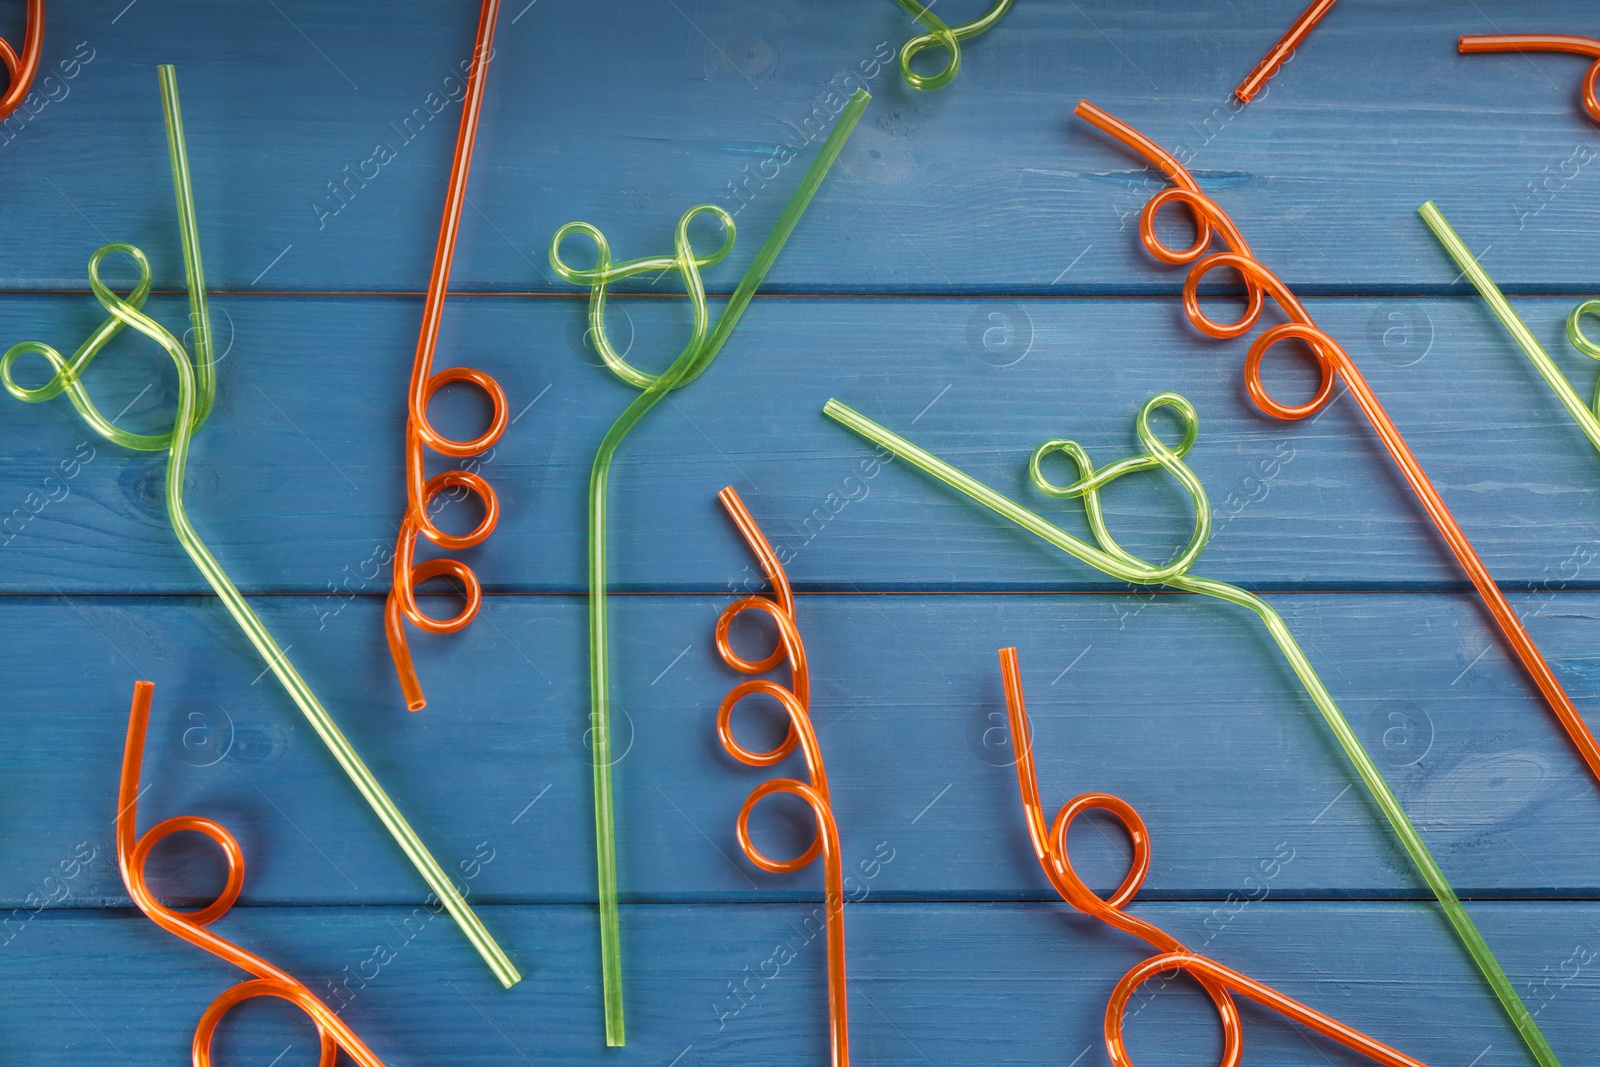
[1463, 257]
[420, 434]
[1219, 982]
[689, 365]
[942, 35]
[796, 701]
[191, 405]
[1570, 44]
[133, 854]
[22, 69]
[1123, 567]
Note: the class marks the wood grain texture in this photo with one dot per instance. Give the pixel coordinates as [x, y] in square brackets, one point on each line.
[963, 983]
[296, 481]
[970, 276]
[990, 187]
[1219, 748]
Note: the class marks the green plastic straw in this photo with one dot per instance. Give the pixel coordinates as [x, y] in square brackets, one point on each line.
[1112, 559]
[1583, 415]
[942, 35]
[196, 392]
[704, 344]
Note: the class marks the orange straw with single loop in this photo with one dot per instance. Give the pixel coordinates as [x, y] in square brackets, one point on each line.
[1274, 59]
[133, 853]
[1219, 982]
[1332, 361]
[1546, 42]
[796, 700]
[22, 69]
[420, 432]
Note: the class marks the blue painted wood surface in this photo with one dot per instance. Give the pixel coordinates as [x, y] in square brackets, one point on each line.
[971, 277]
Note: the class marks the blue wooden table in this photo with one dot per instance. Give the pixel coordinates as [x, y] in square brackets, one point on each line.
[969, 274]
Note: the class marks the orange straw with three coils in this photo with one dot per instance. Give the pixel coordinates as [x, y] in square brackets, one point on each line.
[420, 433]
[1219, 982]
[1332, 361]
[133, 853]
[1587, 47]
[796, 701]
[21, 69]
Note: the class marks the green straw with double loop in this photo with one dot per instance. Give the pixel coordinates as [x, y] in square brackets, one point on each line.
[196, 392]
[1585, 415]
[1109, 557]
[705, 341]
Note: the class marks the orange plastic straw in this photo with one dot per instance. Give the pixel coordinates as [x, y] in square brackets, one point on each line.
[425, 383]
[1286, 44]
[796, 700]
[1546, 42]
[21, 69]
[1219, 982]
[1332, 360]
[133, 852]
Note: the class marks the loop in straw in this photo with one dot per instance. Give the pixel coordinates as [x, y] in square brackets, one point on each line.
[942, 35]
[813, 791]
[1218, 982]
[1587, 47]
[22, 69]
[1106, 557]
[705, 341]
[420, 432]
[1157, 456]
[196, 389]
[1587, 417]
[133, 854]
[1333, 360]
[1575, 334]
[1281, 51]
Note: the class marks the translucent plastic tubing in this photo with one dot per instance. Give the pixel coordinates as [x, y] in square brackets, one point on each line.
[1587, 47]
[196, 390]
[796, 701]
[1332, 362]
[940, 34]
[1109, 557]
[1274, 59]
[21, 69]
[133, 853]
[1584, 415]
[420, 433]
[1219, 982]
[703, 345]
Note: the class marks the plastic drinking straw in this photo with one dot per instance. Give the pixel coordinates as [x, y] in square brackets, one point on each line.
[1280, 52]
[22, 69]
[1546, 42]
[1218, 981]
[1109, 557]
[196, 390]
[704, 344]
[1581, 414]
[402, 603]
[942, 35]
[133, 853]
[796, 700]
[1332, 361]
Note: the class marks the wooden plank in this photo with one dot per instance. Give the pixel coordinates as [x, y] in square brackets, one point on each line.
[296, 480]
[1219, 748]
[989, 186]
[959, 984]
